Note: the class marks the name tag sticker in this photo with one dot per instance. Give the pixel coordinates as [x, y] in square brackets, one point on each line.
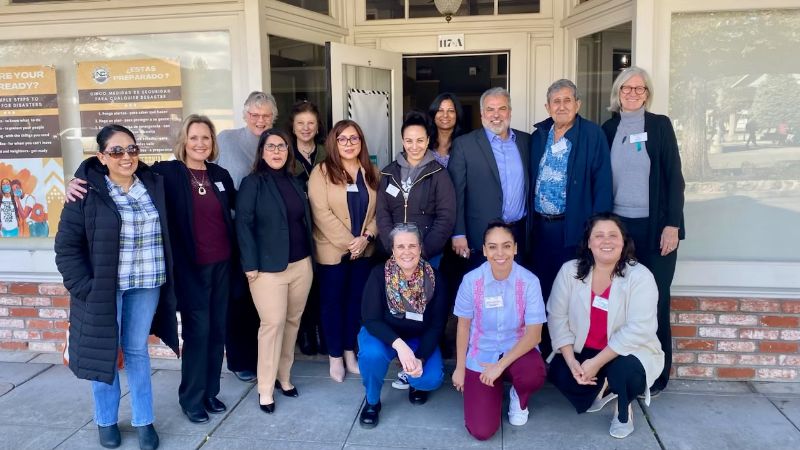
[559, 147]
[392, 190]
[352, 188]
[493, 302]
[414, 316]
[639, 137]
[600, 303]
[220, 186]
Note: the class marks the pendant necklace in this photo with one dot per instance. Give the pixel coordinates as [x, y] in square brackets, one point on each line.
[201, 189]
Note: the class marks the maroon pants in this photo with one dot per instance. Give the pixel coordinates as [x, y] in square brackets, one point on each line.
[483, 404]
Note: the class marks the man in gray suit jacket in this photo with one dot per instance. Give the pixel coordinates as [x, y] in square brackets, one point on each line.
[489, 168]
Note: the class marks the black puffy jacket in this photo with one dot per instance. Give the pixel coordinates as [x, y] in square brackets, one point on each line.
[87, 255]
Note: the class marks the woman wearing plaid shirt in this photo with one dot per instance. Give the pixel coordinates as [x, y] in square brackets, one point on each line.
[112, 249]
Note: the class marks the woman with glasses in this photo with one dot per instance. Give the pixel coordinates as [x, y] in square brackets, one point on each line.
[416, 188]
[273, 223]
[342, 194]
[112, 249]
[648, 190]
[403, 313]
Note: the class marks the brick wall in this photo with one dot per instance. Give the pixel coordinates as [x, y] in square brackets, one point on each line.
[33, 317]
[736, 338]
[714, 338]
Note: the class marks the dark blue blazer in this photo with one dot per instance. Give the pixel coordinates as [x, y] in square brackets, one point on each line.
[589, 188]
[476, 179]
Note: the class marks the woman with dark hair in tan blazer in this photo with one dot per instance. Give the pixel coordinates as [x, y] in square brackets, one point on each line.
[341, 191]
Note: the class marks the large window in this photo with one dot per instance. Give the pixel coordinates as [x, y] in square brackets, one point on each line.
[734, 103]
[601, 57]
[205, 72]
[396, 9]
[297, 70]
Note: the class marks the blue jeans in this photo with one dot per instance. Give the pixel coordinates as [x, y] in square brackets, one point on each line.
[373, 360]
[135, 310]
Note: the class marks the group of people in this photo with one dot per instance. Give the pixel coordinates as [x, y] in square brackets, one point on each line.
[560, 244]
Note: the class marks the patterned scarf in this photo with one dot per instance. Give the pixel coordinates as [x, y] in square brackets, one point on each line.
[410, 294]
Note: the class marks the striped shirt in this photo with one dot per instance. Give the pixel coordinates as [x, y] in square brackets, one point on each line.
[141, 245]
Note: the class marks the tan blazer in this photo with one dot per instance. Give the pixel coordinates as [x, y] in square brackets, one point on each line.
[332, 217]
[632, 322]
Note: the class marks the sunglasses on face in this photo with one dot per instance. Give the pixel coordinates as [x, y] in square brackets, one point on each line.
[117, 151]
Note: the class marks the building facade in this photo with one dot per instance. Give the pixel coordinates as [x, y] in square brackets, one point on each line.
[719, 67]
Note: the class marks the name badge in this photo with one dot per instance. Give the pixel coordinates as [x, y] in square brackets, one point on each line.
[639, 137]
[352, 188]
[559, 147]
[493, 302]
[392, 190]
[414, 316]
[600, 303]
[220, 186]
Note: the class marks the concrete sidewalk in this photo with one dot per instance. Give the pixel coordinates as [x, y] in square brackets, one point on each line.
[43, 406]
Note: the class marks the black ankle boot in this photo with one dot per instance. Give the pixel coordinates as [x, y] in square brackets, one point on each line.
[109, 436]
[148, 438]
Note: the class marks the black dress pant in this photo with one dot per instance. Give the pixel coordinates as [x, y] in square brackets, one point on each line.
[663, 269]
[549, 253]
[241, 339]
[203, 332]
[625, 374]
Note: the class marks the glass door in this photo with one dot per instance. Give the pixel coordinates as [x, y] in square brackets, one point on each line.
[365, 85]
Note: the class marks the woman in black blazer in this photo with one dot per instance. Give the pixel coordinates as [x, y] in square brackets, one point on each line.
[273, 224]
[648, 189]
[200, 199]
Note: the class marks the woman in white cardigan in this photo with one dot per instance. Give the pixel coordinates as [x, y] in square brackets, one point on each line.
[602, 319]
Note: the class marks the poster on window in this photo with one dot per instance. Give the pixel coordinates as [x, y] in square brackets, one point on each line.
[141, 94]
[31, 168]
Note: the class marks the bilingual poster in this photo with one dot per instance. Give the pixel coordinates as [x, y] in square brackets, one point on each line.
[31, 168]
[141, 94]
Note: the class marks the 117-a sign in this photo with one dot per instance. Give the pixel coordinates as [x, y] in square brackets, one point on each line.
[451, 42]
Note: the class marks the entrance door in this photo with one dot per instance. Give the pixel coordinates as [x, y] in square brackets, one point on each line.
[366, 86]
[465, 75]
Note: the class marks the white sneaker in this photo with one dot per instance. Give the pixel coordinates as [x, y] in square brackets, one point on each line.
[516, 415]
[621, 430]
[401, 382]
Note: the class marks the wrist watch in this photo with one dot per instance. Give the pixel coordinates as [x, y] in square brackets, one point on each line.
[370, 238]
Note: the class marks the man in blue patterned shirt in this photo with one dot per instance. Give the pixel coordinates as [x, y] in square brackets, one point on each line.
[571, 174]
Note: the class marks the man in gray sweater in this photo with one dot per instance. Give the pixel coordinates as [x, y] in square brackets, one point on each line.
[237, 152]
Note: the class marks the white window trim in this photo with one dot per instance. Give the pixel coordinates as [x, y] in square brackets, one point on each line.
[712, 278]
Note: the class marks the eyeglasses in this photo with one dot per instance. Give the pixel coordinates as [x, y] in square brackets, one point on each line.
[255, 116]
[117, 151]
[276, 148]
[639, 90]
[352, 140]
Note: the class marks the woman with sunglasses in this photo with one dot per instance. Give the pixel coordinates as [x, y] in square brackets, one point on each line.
[112, 249]
[200, 197]
[342, 194]
[273, 223]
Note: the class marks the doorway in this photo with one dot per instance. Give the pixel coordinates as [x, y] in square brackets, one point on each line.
[465, 75]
